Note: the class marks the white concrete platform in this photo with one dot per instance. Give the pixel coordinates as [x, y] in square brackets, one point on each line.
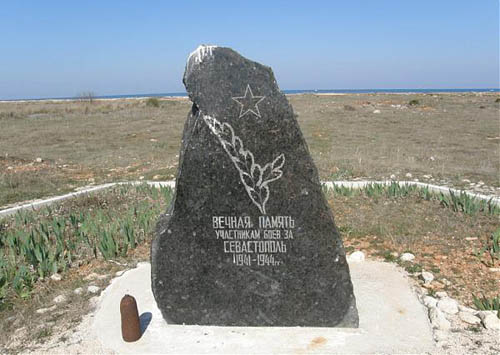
[392, 321]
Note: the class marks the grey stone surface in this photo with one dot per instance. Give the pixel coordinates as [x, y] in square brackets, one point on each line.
[429, 301]
[448, 305]
[427, 277]
[60, 299]
[249, 239]
[469, 318]
[93, 289]
[407, 257]
[490, 319]
[438, 319]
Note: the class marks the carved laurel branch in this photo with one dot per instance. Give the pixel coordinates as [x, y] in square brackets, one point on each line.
[254, 177]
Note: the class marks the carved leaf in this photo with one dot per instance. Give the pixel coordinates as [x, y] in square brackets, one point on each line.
[278, 162]
[247, 180]
[264, 174]
[249, 161]
[256, 171]
[254, 196]
[254, 177]
[276, 172]
[264, 194]
[238, 145]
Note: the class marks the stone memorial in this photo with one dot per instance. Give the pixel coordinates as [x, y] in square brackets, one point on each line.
[249, 239]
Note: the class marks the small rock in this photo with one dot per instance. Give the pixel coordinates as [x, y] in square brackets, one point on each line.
[440, 335]
[466, 309]
[448, 305]
[60, 299]
[141, 177]
[407, 257]
[480, 183]
[76, 263]
[494, 269]
[432, 158]
[446, 282]
[427, 277]
[10, 168]
[102, 277]
[408, 175]
[357, 256]
[467, 181]
[393, 177]
[469, 318]
[119, 273]
[438, 320]
[427, 176]
[429, 301]
[39, 160]
[376, 111]
[56, 277]
[94, 301]
[78, 291]
[45, 310]
[416, 180]
[156, 177]
[93, 289]
[20, 330]
[489, 319]
[441, 294]
[91, 276]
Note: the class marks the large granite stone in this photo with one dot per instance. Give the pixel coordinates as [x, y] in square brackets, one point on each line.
[249, 239]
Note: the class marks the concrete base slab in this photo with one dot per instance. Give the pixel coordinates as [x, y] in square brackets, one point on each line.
[392, 320]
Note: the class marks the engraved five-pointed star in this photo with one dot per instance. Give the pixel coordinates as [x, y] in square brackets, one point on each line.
[249, 102]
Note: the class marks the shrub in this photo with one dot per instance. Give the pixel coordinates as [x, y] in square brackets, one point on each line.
[487, 304]
[414, 102]
[86, 96]
[349, 108]
[153, 102]
[492, 247]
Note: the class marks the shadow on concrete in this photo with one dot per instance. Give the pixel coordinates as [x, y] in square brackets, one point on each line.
[144, 320]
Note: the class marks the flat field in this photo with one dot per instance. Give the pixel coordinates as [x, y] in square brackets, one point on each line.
[441, 138]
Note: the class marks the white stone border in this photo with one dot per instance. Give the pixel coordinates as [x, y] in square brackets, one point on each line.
[171, 183]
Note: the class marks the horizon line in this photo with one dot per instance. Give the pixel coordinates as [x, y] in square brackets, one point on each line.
[285, 91]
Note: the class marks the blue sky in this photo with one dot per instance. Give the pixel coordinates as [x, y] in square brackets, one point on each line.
[60, 48]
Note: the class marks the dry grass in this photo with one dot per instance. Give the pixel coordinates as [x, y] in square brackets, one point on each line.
[446, 135]
[443, 242]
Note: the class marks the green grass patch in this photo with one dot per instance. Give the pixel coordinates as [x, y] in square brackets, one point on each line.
[36, 244]
[491, 247]
[456, 202]
[487, 304]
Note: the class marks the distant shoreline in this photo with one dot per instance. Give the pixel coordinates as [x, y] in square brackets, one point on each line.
[180, 95]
